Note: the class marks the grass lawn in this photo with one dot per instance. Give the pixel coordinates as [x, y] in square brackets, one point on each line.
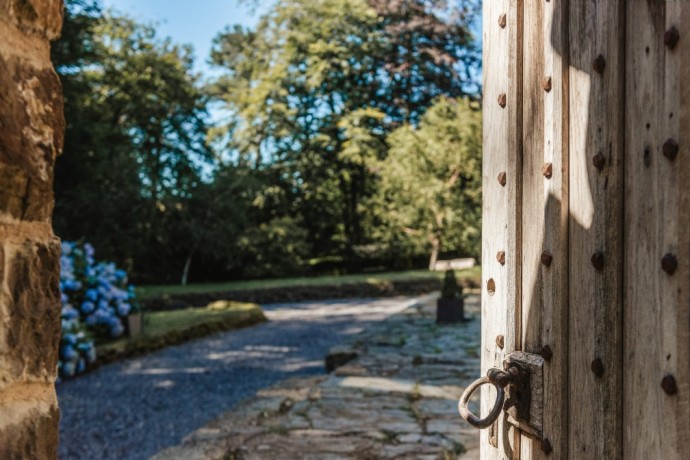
[163, 322]
[166, 328]
[146, 292]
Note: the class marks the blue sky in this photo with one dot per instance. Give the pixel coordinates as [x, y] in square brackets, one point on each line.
[195, 22]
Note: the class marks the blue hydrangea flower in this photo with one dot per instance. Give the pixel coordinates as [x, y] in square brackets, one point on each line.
[91, 294]
[91, 354]
[81, 366]
[120, 275]
[69, 312]
[117, 330]
[103, 297]
[90, 252]
[123, 309]
[69, 369]
[114, 321]
[71, 285]
[68, 353]
[67, 247]
[87, 307]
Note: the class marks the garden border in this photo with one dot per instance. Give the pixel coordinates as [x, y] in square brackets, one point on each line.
[301, 293]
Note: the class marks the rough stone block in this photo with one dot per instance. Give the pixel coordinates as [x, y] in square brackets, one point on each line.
[29, 311]
[13, 186]
[31, 137]
[35, 17]
[339, 356]
[31, 437]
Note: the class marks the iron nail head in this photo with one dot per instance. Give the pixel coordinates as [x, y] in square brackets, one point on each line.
[597, 367]
[669, 385]
[547, 170]
[671, 37]
[669, 263]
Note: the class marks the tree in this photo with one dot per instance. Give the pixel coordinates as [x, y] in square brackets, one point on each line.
[313, 94]
[276, 248]
[96, 179]
[210, 222]
[430, 183]
[429, 52]
[135, 137]
[297, 85]
[149, 85]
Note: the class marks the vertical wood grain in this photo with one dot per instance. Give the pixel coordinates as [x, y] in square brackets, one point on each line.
[657, 222]
[501, 204]
[545, 213]
[633, 207]
[534, 191]
[595, 322]
[678, 325]
[534, 184]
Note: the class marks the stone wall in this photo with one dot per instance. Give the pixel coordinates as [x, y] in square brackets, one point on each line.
[31, 134]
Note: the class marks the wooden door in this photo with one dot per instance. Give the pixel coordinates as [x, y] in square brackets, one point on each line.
[586, 222]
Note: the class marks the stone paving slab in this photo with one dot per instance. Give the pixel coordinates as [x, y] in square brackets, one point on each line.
[396, 400]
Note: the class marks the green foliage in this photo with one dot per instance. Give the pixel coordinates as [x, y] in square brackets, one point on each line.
[428, 51]
[135, 136]
[429, 192]
[330, 108]
[148, 292]
[450, 288]
[161, 323]
[316, 87]
[149, 85]
[276, 248]
[166, 328]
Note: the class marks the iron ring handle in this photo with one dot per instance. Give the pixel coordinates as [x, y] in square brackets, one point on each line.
[498, 379]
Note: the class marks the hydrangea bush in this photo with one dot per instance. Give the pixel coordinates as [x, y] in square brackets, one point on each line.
[96, 301]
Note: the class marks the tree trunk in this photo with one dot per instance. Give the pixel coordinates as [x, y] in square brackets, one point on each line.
[435, 247]
[185, 270]
[187, 264]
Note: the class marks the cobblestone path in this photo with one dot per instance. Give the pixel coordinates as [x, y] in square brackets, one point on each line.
[134, 408]
[396, 400]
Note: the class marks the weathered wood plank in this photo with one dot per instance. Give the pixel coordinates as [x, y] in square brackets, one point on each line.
[501, 203]
[645, 85]
[545, 213]
[678, 102]
[596, 127]
[612, 193]
[657, 222]
[534, 190]
[534, 184]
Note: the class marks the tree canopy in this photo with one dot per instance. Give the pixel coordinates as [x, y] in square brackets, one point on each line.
[135, 138]
[299, 85]
[349, 138]
[429, 193]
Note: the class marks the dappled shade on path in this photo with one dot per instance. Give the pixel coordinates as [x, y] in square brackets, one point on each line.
[134, 408]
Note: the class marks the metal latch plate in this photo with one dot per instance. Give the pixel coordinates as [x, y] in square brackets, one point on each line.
[525, 397]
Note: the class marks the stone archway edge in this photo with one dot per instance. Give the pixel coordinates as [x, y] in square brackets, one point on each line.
[31, 136]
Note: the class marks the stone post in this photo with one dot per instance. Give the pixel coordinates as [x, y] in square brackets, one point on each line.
[31, 135]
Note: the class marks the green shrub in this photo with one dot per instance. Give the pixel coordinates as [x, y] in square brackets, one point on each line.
[274, 249]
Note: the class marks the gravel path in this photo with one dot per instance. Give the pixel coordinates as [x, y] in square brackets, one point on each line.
[134, 408]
